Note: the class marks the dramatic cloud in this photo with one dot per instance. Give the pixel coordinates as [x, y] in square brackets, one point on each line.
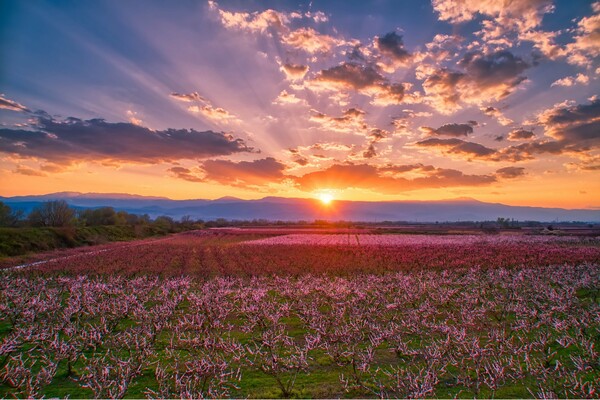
[510, 172]
[255, 173]
[389, 180]
[441, 88]
[455, 130]
[394, 55]
[486, 77]
[8, 104]
[526, 151]
[352, 76]
[363, 79]
[582, 50]
[586, 45]
[74, 140]
[459, 147]
[523, 14]
[277, 24]
[441, 48]
[520, 134]
[573, 123]
[257, 22]
[493, 70]
[330, 102]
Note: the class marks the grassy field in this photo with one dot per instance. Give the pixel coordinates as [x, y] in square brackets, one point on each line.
[21, 241]
[236, 314]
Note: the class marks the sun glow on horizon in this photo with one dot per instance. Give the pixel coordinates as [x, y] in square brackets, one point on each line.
[326, 198]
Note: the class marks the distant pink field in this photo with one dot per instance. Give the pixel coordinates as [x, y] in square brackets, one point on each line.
[407, 240]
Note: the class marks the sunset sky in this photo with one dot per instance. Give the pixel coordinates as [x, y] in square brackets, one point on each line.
[386, 100]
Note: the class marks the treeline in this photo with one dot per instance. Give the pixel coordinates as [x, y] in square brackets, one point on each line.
[58, 214]
[55, 225]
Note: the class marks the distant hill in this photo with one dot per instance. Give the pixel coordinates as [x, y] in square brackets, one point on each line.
[295, 209]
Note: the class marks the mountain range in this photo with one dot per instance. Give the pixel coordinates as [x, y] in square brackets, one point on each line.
[297, 209]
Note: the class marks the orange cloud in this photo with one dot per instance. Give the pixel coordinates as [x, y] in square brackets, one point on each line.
[520, 134]
[524, 14]
[28, 171]
[185, 174]
[486, 77]
[255, 173]
[311, 41]
[364, 79]
[388, 180]
[285, 98]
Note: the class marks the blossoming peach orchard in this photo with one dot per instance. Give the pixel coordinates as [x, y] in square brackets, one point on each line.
[246, 313]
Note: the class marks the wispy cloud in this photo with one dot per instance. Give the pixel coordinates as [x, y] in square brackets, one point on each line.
[12, 105]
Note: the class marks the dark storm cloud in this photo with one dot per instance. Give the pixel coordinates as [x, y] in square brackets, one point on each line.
[73, 139]
[391, 45]
[455, 130]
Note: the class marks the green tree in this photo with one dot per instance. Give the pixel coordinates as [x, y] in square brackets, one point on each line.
[8, 217]
[52, 213]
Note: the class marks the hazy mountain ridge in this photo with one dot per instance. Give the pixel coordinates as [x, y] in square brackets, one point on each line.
[294, 209]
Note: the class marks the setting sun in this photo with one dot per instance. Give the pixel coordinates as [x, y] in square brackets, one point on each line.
[326, 198]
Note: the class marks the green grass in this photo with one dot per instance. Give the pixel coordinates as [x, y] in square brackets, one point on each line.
[322, 378]
[21, 241]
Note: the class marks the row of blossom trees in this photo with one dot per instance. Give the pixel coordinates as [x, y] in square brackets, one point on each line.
[479, 332]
